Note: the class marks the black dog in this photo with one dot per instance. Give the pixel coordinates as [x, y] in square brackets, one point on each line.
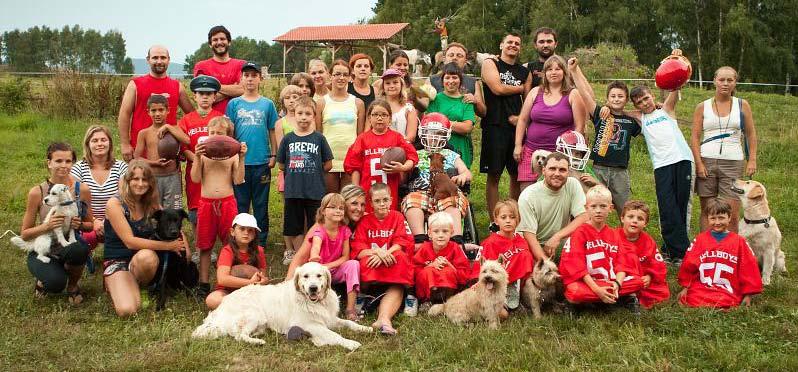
[176, 271]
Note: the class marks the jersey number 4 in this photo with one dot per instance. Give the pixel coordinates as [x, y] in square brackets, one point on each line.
[710, 273]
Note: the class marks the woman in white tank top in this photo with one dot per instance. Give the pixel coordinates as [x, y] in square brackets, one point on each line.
[723, 135]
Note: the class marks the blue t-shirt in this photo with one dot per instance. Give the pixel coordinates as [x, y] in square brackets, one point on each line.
[304, 158]
[253, 121]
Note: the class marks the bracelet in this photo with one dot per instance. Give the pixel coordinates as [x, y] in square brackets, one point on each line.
[619, 284]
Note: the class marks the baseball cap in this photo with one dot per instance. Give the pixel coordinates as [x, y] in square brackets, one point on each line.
[391, 72]
[251, 66]
[246, 220]
[205, 83]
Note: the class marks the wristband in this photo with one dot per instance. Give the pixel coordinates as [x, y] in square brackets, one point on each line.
[618, 283]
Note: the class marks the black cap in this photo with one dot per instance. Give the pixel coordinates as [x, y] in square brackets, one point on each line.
[205, 83]
[251, 66]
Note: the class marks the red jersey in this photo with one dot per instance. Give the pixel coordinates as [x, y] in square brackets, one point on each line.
[147, 85]
[226, 258]
[518, 260]
[600, 253]
[451, 252]
[372, 233]
[719, 274]
[228, 73]
[364, 156]
[195, 126]
[650, 261]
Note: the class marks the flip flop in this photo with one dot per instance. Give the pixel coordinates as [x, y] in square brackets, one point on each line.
[353, 316]
[75, 297]
[387, 330]
[38, 290]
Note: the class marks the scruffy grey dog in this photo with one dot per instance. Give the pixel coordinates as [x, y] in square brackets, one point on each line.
[484, 300]
[543, 286]
[61, 203]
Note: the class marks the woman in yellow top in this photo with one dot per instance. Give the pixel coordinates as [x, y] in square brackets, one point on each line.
[340, 117]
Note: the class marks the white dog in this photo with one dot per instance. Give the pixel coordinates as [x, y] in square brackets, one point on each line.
[759, 228]
[307, 302]
[61, 203]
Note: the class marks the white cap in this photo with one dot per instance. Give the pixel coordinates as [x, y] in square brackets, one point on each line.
[246, 220]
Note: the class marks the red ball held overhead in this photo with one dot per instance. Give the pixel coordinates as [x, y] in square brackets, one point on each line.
[673, 73]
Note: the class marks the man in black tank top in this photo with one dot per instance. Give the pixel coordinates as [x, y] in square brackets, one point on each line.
[546, 45]
[505, 82]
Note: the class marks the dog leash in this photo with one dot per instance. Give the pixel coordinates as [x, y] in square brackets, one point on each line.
[6, 233]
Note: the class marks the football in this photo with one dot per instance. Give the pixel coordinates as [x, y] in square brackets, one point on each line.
[243, 271]
[673, 73]
[221, 147]
[393, 154]
[168, 147]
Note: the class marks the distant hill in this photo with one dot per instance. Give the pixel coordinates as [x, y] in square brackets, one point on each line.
[140, 67]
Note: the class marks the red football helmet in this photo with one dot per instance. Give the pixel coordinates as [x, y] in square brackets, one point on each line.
[434, 131]
[573, 145]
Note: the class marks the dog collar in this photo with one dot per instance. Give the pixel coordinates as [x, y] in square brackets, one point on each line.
[66, 203]
[765, 221]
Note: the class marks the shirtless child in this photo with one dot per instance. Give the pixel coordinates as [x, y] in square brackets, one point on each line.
[167, 171]
[217, 206]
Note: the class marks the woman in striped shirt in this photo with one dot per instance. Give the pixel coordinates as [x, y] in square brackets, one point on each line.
[100, 172]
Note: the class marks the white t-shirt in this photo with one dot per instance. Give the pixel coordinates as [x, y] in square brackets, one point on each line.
[724, 134]
[100, 192]
[665, 142]
[544, 211]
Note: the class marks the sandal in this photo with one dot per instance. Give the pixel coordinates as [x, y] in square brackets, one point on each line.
[353, 316]
[38, 290]
[75, 296]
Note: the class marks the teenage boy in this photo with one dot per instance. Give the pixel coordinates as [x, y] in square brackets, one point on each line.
[254, 117]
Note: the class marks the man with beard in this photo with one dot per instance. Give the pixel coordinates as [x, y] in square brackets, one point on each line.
[133, 116]
[221, 66]
[506, 82]
[551, 210]
[546, 45]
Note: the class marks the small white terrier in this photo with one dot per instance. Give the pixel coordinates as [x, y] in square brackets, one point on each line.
[61, 204]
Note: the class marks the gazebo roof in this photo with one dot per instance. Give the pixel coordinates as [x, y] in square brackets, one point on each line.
[373, 32]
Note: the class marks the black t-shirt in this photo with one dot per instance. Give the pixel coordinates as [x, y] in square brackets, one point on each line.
[533, 67]
[367, 99]
[500, 108]
[469, 83]
[304, 158]
[625, 127]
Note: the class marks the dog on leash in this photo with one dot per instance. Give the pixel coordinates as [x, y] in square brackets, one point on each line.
[759, 228]
[177, 272]
[543, 286]
[483, 300]
[307, 302]
[60, 201]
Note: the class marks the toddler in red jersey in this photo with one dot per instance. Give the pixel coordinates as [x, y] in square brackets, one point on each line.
[651, 266]
[441, 267]
[518, 260]
[596, 265]
[719, 269]
[363, 158]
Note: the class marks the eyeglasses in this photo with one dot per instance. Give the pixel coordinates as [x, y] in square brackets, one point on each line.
[380, 115]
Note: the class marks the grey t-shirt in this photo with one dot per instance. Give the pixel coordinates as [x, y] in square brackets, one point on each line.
[544, 212]
[304, 158]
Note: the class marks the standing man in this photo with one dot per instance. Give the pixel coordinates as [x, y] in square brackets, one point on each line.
[223, 67]
[456, 52]
[506, 82]
[551, 210]
[546, 45]
[133, 116]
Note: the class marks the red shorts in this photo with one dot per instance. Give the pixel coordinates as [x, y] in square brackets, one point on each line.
[654, 294]
[430, 277]
[214, 219]
[578, 291]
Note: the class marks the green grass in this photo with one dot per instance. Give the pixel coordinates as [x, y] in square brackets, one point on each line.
[51, 335]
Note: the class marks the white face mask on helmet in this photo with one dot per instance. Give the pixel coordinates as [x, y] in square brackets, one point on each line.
[434, 131]
[573, 145]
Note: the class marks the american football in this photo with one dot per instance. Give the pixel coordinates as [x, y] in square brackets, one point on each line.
[393, 154]
[221, 147]
[168, 147]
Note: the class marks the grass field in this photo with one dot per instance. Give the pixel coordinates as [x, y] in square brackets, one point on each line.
[50, 334]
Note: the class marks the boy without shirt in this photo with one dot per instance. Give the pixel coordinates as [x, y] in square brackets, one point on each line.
[167, 171]
[217, 205]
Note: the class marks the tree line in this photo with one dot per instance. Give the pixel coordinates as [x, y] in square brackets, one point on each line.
[41, 48]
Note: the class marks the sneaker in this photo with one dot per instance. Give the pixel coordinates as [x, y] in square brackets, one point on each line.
[214, 257]
[195, 257]
[513, 295]
[202, 291]
[632, 304]
[288, 256]
[411, 305]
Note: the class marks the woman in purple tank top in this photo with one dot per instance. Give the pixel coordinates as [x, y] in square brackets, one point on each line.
[549, 110]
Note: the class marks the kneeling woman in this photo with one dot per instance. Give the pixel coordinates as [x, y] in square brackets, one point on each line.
[130, 259]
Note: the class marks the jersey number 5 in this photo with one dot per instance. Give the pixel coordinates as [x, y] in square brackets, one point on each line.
[713, 279]
[376, 171]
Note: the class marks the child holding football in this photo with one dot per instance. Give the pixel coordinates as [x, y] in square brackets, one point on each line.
[651, 267]
[217, 205]
[719, 269]
[596, 266]
[363, 158]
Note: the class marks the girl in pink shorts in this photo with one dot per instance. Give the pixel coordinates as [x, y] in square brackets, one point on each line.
[330, 247]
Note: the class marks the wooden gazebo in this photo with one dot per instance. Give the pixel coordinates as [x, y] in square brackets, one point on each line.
[337, 37]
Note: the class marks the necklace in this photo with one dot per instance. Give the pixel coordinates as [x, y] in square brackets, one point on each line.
[728, 119]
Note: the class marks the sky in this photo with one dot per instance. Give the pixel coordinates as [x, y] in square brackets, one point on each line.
[181, 25]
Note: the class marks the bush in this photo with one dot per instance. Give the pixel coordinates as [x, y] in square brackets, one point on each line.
[611, 61]
[14, 95]
[84, 96]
